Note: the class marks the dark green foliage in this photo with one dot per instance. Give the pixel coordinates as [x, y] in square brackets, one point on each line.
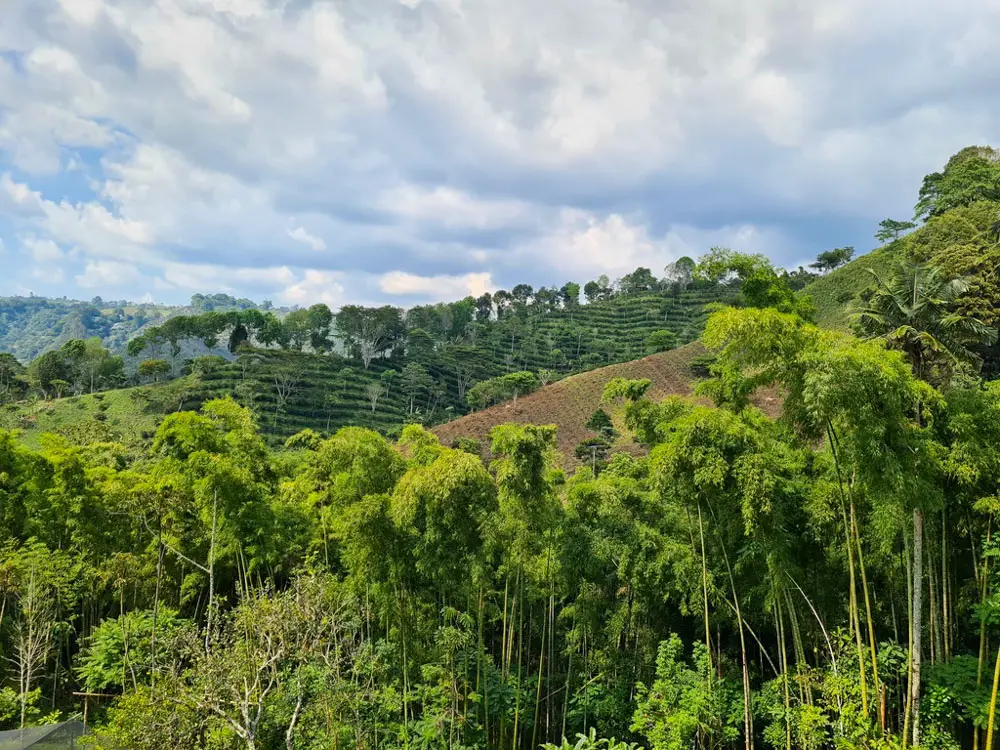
[828, 260]
[601, 423]
[973, 174]
[891, 230]
[660, 341]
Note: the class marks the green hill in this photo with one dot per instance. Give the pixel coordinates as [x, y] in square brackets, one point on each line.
[30, 326]
[293, 390]
[837, 293]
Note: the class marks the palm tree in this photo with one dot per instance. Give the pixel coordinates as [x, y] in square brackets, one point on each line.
[915, 311]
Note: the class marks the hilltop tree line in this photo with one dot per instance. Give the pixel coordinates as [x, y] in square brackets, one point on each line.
[468, 354]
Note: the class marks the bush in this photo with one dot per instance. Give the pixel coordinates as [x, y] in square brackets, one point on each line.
[660, 341]
[501, 388]
[468, 445]
[600, 423]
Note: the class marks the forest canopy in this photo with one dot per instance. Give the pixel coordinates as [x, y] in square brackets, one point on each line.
[820, 577]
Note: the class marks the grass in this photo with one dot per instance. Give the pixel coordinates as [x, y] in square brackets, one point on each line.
[128, 415]
[836, 294]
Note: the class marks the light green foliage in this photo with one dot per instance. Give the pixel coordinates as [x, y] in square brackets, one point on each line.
[891, 230]
[630, 390]
[502, 388]
[828, 260]
[445, 507]
[118, 653]
[354, 591]
[154, 369]
[683, 703]
[760, 284]
[590, 742]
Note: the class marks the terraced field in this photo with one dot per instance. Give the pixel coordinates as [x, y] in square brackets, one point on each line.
[569, 403]
[291, 391]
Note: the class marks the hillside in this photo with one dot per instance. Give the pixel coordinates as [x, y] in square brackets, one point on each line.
[836, 294]
[32, 325]
[569, 403]
[291, 389]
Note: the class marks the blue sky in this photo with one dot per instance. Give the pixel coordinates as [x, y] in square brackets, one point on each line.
[407, 151]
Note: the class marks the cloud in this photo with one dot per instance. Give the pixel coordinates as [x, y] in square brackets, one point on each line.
[42, 250]
[315, 287]
[203, 277]
[301, 235]
[109, 274]
[399, 283]
[451, 207]
[324, 151]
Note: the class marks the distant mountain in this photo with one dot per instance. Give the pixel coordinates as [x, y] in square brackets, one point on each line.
[30, 326]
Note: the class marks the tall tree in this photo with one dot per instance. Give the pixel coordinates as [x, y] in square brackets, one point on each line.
[915, 311]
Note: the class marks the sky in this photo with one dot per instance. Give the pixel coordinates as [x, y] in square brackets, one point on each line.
[411, 151]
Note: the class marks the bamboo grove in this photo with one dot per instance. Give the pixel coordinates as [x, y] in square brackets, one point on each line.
[824, 579]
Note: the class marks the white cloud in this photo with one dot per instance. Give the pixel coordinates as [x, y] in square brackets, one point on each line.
[585, 245]
[42, 250]
[299, 234]
[18, 199]
[449, 140]
[108, 274]
[313, 287]
[443, 287]
[200, 277]
[448, 206]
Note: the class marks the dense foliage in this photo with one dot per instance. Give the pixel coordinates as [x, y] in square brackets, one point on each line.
[824, 579]
[383, 367]
[741, 585]
[32, 325]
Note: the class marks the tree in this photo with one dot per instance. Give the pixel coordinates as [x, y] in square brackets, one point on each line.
[12, 377]
[681, 272]
[639, 281]
[33, 638]
[660, 341]
[914, 312]
[599, 290]
[97, 367]
[369, 331]
[47, 368]
[973, 174]
[521, 294]
[890, 230]
[154, 369]
[501, 388]
[570, 294]
[828, 260]
[309, 327]
[760, 284]
[484, 307]
[601, 423]
[286, 381]
[414, 381]
[374, 390]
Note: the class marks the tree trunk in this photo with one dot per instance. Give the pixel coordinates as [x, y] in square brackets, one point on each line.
[917, 621]
[993, 704]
